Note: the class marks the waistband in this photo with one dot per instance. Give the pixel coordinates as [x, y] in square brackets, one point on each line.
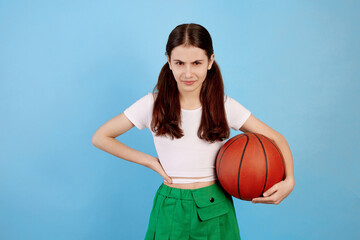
[188, 194]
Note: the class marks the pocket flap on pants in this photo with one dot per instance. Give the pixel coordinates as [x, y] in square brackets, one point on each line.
[211, 203]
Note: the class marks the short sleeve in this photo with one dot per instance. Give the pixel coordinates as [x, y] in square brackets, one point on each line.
[236, 113]
[140, 112]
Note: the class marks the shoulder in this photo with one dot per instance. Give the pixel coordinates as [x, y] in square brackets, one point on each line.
[232, 104]
[153, 95]
[236, 113]
[144, 102]
[148, 98]
[228, 100]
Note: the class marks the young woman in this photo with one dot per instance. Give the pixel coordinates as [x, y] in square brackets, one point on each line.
[190, 118]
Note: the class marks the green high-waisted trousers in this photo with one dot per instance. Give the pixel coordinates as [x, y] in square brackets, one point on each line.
[196, 214]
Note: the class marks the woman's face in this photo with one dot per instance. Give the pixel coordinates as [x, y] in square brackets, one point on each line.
[189, 66]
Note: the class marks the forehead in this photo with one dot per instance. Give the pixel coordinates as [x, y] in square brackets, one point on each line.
[188, 53]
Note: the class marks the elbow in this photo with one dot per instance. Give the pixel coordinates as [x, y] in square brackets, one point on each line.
[98, 140]
[277, 137]
[95, 140]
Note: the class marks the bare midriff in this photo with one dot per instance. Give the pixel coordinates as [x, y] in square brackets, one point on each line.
[194, 185]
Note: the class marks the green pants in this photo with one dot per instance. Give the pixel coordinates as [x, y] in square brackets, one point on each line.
[203, 213]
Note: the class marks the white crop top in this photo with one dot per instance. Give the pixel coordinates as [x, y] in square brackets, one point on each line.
[188, 156]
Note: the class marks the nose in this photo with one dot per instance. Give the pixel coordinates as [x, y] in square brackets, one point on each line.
[188, 71]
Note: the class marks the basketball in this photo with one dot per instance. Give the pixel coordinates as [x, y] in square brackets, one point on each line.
[249, 164]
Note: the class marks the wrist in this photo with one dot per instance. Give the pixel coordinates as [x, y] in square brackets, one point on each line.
[150, 161]
[290, 180]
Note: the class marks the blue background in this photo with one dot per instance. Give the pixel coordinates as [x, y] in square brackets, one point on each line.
[66, 67]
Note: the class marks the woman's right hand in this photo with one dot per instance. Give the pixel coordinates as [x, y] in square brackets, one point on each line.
[155, 165]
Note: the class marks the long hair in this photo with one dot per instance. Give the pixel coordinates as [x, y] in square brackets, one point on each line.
[166, 116]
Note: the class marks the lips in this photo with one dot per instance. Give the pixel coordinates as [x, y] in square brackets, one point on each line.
[188, 82]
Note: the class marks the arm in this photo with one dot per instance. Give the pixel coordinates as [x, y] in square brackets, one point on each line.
[281, 190]
[104, 139]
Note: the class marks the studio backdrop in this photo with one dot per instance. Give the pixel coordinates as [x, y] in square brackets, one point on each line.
[67, 67]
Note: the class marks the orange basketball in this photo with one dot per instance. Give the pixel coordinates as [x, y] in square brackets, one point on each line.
[249, 164]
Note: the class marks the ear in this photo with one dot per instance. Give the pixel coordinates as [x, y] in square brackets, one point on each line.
[168, 60]
[211, 61]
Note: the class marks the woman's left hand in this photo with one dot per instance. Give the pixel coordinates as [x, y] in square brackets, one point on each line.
[276, 193]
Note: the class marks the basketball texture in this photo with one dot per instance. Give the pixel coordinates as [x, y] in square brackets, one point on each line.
[249, 164]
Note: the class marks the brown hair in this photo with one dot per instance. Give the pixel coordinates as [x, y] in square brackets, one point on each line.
[166, 116]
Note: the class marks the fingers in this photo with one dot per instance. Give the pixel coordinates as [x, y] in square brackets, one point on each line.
[159, 169]
[271, 196]
[275, 194]
[271, 190]
[167, 178]
[267, 200]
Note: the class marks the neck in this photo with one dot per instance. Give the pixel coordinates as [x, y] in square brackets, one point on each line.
[190, 99]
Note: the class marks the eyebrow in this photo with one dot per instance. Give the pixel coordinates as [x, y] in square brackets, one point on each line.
[200, 60]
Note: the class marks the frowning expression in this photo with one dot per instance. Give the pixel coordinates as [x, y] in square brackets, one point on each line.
[189, 66]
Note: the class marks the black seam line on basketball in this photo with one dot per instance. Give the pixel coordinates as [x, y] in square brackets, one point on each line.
[225, 151]
[242, 157]
[282, 157]
[266, 162]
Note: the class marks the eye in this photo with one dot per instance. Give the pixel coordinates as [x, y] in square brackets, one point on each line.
[197, 63]
[179, 63]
